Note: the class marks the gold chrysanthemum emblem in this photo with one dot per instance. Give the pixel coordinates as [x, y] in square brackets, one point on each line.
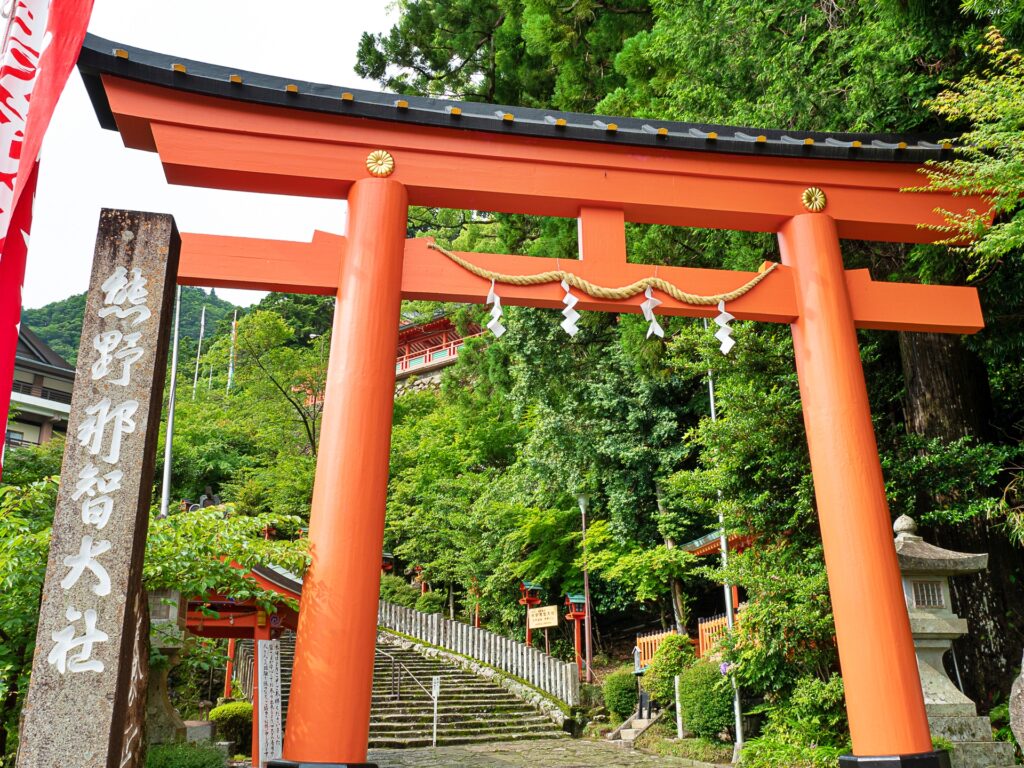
[380, 163]
[813, 199]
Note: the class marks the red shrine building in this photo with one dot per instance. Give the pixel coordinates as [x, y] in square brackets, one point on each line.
[424, 348]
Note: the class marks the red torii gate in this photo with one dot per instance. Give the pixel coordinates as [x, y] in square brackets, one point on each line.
[218, 127]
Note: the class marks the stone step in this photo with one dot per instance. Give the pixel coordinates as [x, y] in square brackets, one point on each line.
[457, 716]
[468, 724]
[471, 709]
[978, 728]
[453, 740]
[981, 754]
[477, 726]
[628, 734]
[502, 706]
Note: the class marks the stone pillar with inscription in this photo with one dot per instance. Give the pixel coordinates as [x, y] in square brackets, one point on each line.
[86, 699]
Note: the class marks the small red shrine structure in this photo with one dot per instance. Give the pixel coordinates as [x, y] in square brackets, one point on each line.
[530, 598]
[244, 620]
[225, 128]
[576, 605]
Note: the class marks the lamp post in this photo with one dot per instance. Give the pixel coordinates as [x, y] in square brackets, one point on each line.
[584, 501]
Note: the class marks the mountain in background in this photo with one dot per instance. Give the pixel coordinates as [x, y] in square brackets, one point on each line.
[59, 323]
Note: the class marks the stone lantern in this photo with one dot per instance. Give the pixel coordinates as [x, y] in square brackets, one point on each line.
[167, 612]
[951, 715]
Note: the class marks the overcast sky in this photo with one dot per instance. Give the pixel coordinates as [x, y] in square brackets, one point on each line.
[85, 168]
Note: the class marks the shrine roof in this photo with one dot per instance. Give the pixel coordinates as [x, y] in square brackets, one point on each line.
[100, 56]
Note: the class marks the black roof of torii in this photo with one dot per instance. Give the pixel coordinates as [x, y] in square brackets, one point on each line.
[100, 56]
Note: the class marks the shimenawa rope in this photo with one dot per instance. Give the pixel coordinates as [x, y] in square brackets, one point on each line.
[599, 291]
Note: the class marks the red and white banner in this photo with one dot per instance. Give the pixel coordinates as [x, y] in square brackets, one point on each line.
[40, 48]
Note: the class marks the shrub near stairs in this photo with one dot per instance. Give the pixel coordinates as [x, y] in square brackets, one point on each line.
[471, 710]
[620, 696]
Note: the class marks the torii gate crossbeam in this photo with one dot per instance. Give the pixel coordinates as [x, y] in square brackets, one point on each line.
[213, 126]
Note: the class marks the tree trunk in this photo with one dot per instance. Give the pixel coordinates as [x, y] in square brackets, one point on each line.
[947, 397]
[675, 585]
[451, 601]
[947, 387]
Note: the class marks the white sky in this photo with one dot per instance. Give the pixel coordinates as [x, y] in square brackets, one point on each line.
[85, 168]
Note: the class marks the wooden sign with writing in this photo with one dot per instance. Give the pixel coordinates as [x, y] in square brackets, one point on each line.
[546, 616]
[271, 732]
[83, 707]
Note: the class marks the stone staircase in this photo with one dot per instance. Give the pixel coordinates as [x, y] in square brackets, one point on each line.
[627, 733]
[471, 710]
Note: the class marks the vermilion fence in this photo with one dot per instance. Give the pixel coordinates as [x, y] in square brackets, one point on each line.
[431, 355]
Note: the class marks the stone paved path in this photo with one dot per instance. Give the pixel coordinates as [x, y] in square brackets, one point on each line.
[542, 753]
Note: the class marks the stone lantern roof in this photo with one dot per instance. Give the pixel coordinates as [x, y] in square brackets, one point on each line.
[918, 557]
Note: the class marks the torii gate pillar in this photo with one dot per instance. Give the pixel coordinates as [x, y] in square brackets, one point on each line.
[332, 680]
[872, 628]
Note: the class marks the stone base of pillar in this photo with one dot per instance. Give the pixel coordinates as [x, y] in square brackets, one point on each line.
[922, 760]
[292, 764]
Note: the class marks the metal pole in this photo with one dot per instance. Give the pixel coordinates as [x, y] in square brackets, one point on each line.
[199, 351]
[730, 609]
[231, 357]
[583, 500]
[165, 491]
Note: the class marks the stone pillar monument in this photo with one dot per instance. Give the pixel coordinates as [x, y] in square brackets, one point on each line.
[951, 715]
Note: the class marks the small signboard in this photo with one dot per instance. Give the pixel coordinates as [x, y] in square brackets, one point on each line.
[268, 656]
[546, 616]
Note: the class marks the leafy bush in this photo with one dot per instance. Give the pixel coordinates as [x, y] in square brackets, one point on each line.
[234, 723]
[397, 590]
[431, 602]
[705, 698]
[814, 713]
[774, 751]
[807, 729]
[673, 656]
[620, 695]
[184, 755]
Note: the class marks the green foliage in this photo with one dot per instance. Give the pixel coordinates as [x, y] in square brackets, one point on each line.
[673, 656]
[814, 713]
[431, 602]
[1001, 729]
[807, 729]
[620, 694]
[234, 723]
[308, 315]
[397, 590]
[59, 323]
[773, 751]
[184, 755]
[32, 463]
[989, 158]
[705, 699]
[25, 518]
[199, 551]
[661, 739]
